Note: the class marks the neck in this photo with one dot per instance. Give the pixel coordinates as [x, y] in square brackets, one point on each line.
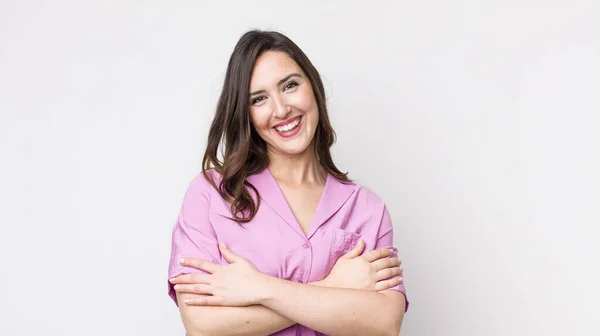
[297, 169]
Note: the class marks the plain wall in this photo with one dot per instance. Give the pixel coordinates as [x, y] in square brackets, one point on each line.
[477, 121]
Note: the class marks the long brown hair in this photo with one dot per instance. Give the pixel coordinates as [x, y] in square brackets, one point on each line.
[244, 151]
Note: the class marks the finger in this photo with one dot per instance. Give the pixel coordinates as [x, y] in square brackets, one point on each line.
[385, 263]
[388, 273]
[193, 289]
[205, 301]
[377, 254]
[200, 264]
[228, 254]
[387, 284]
[190, 279]
[355, 251]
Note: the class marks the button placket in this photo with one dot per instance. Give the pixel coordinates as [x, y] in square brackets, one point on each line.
[307, 246]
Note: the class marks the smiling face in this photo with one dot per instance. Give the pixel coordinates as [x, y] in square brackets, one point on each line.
[283, 108]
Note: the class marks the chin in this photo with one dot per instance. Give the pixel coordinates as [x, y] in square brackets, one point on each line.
[292, 150]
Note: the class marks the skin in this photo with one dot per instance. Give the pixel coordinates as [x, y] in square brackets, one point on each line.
[236, 299]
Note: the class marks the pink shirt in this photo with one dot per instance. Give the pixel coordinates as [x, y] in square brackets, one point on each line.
[274, 241]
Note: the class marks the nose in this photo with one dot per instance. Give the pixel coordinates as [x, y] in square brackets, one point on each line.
[281, 108]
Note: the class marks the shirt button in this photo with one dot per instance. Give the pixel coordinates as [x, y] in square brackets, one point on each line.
[306, 245]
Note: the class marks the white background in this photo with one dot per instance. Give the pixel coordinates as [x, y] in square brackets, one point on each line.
[477, 121]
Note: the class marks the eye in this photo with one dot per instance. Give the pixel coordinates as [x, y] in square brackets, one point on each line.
[258, 99]
[290, 85]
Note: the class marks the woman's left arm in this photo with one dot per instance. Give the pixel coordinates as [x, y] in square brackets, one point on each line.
[335, 311]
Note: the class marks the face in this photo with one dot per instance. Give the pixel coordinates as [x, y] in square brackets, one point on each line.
[283, 108]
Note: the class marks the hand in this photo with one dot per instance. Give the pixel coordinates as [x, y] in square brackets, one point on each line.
[234, 284]
[374, 270]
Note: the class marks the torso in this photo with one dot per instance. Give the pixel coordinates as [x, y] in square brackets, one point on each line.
[336, 216]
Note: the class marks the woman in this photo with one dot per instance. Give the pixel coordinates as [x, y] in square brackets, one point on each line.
[273, 238]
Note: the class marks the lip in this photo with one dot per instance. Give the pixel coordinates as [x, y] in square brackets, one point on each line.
[286, 122]
[293, 132]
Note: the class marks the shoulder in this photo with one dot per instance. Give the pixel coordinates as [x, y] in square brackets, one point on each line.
[371, 204]
[367, 197]
[201, 184]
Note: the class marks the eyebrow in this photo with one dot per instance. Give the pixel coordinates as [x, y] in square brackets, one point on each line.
[283, 80]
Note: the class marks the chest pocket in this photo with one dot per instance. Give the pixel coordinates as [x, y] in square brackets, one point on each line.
[342, 242]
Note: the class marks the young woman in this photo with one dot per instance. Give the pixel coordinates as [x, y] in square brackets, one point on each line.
[273, 238]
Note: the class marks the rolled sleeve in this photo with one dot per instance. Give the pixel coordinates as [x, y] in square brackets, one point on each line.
[386, 240]
[193, 235]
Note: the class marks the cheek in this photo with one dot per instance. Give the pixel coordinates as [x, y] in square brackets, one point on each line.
[311, 108]
[259, 118]
[305, 101]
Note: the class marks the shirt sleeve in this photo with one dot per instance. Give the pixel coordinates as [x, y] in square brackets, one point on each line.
[386, 240]
[193, 236]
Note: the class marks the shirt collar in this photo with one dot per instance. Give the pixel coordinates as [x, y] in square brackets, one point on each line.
[335, 194]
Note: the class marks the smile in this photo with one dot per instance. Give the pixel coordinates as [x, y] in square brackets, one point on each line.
[290, 126]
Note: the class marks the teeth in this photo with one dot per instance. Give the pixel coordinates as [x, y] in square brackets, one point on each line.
[288, 127]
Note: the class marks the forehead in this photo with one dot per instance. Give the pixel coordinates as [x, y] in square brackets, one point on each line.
[270, 67]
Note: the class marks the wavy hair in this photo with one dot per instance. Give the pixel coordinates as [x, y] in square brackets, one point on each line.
[244, 152]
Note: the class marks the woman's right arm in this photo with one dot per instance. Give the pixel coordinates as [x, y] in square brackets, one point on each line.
[193, 236]
[254, 320]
